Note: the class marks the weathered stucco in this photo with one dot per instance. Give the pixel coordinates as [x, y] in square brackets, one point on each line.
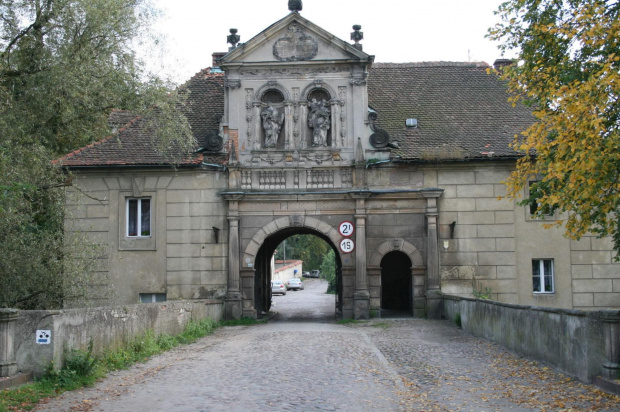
[108, 328]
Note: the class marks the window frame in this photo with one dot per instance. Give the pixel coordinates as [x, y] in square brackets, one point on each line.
[126, 242]
[542, 275]
[139, 220]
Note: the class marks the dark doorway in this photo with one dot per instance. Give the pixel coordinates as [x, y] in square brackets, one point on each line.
[262, 269]
[396, 285]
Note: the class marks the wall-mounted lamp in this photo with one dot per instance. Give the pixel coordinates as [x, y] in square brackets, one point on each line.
[452, 226]
[216, 234]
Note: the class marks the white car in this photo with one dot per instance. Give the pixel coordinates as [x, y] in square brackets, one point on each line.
[295, 284]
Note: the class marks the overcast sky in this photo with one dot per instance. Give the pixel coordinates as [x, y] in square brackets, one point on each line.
[394, 30]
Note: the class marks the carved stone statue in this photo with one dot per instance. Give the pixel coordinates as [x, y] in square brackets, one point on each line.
[272, 123]
[319, 120]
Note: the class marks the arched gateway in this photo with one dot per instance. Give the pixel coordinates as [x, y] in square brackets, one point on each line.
[383, 222]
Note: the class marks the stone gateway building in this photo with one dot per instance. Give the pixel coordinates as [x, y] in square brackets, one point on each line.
[398, 167]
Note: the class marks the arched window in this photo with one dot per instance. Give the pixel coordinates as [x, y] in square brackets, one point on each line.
[272, 96]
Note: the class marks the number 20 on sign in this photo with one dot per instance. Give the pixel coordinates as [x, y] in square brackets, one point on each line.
[347, 245]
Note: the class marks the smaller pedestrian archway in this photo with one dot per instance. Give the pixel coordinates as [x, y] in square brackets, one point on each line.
[398, 272]
[396, 283]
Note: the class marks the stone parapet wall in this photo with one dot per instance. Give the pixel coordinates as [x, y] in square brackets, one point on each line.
[107, 327]
[579, 343]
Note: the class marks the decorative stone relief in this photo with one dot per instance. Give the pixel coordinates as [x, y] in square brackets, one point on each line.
[291, 71]
[358, 82]
[232, 84]
[297, 220]
[342, 95]
[272, 123]
[318, 159]
[319, 121]
[397, 244]
[295, 46]
[249, 93]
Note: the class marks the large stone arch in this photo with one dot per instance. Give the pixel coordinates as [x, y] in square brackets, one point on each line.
[295, 221]
[394, 245]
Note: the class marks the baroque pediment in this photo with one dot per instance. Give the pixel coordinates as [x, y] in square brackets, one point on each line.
[293, 39]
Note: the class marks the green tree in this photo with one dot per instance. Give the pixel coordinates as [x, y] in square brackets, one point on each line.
[328, 270]
[309, 248]
[64, 65]
[568, 69]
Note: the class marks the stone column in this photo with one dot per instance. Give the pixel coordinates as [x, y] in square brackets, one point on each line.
[233, 298]
[8, 363]
[433, 284]
[611, 321]
[361, 297]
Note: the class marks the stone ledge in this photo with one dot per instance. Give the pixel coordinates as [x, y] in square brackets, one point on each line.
[15, 381]
[573, 312]
[608, 385]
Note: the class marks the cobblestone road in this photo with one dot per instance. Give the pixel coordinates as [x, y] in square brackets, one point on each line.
[302, 360]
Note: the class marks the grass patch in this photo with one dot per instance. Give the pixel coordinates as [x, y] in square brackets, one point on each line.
[457, 321]
[82, 369]
[382, 325]
[243, 322]
[349, 321]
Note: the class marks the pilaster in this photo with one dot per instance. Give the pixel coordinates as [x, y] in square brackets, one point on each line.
[433, 280]
[361, 297]
[233, 299]
[611, 367]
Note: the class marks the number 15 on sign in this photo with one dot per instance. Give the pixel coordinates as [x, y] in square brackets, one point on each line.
[347, 245]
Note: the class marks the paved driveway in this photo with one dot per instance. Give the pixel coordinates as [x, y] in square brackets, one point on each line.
[307, 362]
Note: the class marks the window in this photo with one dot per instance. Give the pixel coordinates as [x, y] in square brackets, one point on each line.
[542, 275]
[139, 217]
[535, 192]
[152, 297]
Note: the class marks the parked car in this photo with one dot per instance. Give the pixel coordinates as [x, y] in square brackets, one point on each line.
[305, 274]
[295, 284]
[278, 287]
[314, 273]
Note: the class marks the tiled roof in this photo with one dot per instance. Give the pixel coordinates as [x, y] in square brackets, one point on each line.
[462, 111]
[133, 144]
[462, 114]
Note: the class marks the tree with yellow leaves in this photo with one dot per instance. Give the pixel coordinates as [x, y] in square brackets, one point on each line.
[568, 69]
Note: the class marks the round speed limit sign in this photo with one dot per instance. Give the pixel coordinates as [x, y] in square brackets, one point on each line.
[347, 245]
[346, 229]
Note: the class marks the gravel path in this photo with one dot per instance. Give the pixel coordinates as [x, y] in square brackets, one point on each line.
[302, 360]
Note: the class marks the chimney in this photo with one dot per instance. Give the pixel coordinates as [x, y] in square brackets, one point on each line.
[216, 56]
[500, 64]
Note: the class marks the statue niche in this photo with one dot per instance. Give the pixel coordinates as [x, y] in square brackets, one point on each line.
[272, 117]
[319, 118]
[272, 123]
